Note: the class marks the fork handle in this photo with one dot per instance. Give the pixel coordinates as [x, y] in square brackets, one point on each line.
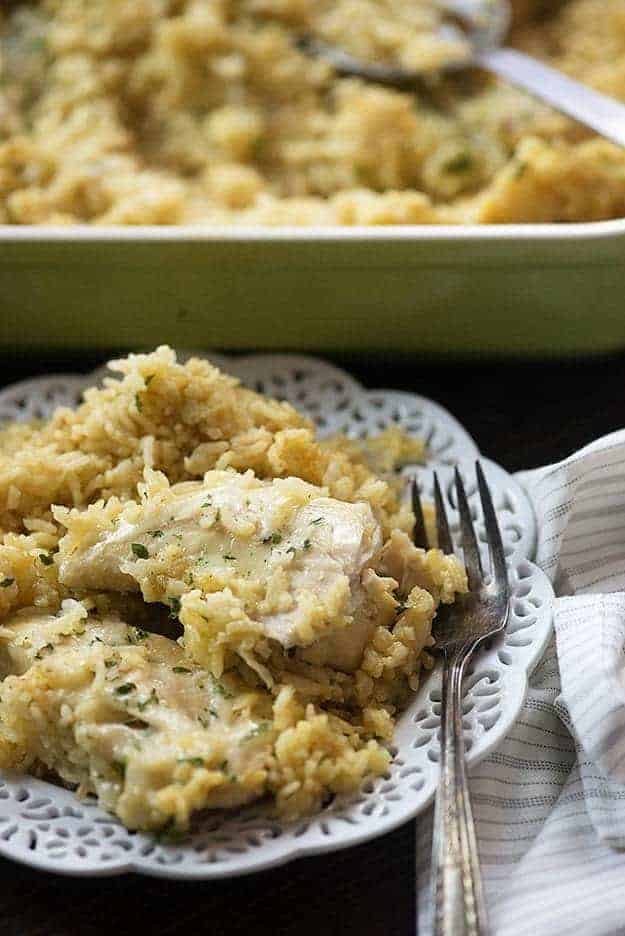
[459, 907]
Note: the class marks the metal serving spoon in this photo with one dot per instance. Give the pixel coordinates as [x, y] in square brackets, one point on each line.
[485, 24]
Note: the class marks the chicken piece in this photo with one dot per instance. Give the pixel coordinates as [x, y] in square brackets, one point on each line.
[125, 715]
[256, 559]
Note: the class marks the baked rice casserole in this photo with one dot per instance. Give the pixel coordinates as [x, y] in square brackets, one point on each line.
[204, 112]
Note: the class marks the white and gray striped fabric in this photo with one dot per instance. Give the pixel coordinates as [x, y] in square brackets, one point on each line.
[550, 802]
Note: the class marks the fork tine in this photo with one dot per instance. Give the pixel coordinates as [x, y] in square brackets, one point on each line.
[493, 534]
[470, 548]
[442, 526]
[419, 532]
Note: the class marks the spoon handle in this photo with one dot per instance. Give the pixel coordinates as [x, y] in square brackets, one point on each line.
[604, 114]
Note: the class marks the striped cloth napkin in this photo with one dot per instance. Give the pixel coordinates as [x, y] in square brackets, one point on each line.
[550, 802]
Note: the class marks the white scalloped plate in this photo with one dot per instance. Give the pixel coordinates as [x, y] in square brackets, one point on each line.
[50, 828]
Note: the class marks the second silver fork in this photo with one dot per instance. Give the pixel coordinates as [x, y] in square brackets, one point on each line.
[459, 906]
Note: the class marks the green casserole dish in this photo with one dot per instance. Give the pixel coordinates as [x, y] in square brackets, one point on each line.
[511, 289]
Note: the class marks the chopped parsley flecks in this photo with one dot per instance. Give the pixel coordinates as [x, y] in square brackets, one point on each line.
[152, 699]
[38, 44]
[155, 534]
[225, 769]
[44, 651]
[316, 521]
[462, 162]
[174, 605]
[520, 169]
[110, 663]
[138, 724]
[125, 688]
[181, 669]
[138, 403]
[208, 502]
[194, 761]
[120, 767]
[273, 538]
[6, 582]
[139, 550]
[291, 550]
[149, 379]
[138, 633]
[230, 558]
[219, 688]
[306, 544]
[46, 558]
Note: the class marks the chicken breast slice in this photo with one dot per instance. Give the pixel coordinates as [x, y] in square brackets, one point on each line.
[125, 715]
[279, 558]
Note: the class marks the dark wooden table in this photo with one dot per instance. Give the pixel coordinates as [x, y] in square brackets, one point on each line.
[522, 415]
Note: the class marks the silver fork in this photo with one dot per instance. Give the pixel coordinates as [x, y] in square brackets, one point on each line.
[459, 906]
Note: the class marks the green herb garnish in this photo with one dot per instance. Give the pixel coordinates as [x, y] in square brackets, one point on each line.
[174, 604]
[46, 558]
[138, 724]
[520, 170]
[125, 688]
[151, 699]
[155, 534]
[48, 648]
[194, 761]
[120, 767]
[218, 688]
[139, 550]
[462, 162]
[38, 44]
[181, 669]
[225, 769]
[6, 582]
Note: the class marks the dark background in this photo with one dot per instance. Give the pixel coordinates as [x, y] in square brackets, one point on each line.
[522, 415]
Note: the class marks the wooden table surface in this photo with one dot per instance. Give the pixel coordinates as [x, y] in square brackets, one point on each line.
[522, 415]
